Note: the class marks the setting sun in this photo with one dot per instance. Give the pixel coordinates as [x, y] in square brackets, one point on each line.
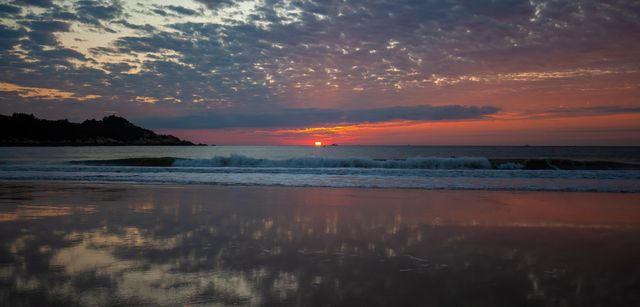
[317, 143]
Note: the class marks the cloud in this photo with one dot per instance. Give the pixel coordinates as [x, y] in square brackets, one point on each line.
[42, 31]
[61, 53]
[173, 10]
[93, 12]
[10, 37]
[146, 99]
[9, 9]
[145, 28]
[593, 110]
[43, 93]
[216, 4]
[160, 12]
[48, 26]
[181, 10]
[314, 117]
[40, 3]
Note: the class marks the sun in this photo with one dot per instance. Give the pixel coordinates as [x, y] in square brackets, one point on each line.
[317, 143]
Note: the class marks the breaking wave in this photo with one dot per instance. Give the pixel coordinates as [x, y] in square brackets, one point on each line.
[313, 162]
[535, 174]
[415, 163]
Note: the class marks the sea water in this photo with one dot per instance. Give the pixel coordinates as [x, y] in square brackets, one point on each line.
[416, 167]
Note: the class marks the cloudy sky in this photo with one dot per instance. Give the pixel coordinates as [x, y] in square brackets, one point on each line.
[506, 72]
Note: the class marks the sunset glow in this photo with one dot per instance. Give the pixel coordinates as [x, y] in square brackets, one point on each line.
[282, 72]
[317, 143]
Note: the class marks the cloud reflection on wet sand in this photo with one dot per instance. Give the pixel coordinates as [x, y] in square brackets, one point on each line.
[173, 245]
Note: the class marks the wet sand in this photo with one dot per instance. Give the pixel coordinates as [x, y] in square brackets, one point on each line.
[116, 244]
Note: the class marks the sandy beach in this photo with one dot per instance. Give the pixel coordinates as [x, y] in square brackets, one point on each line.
[119, 244]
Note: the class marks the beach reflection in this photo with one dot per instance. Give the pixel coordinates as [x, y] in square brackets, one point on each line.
[106, 245]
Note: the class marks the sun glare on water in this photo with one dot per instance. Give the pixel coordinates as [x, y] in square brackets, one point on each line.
[317, 143]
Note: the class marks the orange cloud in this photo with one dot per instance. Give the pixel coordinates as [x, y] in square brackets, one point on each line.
[146, 99]
[43, 93]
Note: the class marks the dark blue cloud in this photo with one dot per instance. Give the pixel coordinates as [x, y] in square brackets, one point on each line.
[581, 111]
[118, 67]
[62, 53]
[93, 12]
[42, 32]
[173, 10]
[160, 12]
[216, 4]
[10, 37]
[314, 117]
[48, 26]
[144, 28]
[40, 3]
[9, 9]
[181, 10]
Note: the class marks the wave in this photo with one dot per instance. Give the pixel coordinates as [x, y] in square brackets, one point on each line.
[419, 173]
[315, 162]
[241, 161]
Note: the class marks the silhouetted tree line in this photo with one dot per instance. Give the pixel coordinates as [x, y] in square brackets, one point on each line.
[26, 129]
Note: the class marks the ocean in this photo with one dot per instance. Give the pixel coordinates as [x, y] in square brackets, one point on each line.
[532, 168]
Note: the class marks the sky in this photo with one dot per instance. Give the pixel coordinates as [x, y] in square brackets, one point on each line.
[432, 72]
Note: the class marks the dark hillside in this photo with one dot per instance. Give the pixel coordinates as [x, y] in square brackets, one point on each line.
[28, 130]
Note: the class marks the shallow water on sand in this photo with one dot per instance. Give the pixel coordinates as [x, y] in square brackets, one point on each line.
[79, 244]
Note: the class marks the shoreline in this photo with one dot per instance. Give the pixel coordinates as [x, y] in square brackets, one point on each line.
[5, 181]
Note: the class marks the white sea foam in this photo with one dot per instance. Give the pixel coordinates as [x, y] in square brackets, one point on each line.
[511, 165]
